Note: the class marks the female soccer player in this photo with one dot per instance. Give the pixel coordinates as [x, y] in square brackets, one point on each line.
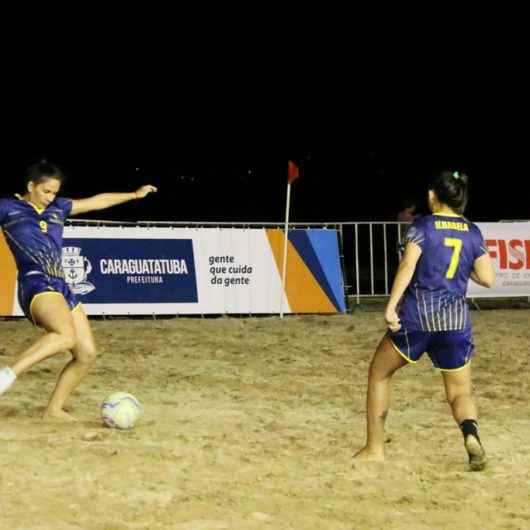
[33, 227]
[443, 251]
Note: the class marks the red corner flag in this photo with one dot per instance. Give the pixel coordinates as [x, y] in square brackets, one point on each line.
[292, 172]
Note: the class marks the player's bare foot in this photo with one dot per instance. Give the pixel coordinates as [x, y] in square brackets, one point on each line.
[57, 415]
[477, 455]
[367, 455]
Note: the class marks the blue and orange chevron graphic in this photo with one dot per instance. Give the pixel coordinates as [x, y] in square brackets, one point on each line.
[314, 281]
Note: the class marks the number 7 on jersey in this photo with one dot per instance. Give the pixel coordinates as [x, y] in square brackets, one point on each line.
[456, 245]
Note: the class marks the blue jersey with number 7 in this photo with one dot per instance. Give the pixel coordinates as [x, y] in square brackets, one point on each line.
[435, 299]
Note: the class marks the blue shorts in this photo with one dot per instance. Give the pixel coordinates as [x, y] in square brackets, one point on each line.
[448, 350]
[29, 287]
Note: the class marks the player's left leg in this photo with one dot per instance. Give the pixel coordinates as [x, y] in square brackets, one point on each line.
[84, 356]
[458, 389]
[385, 362]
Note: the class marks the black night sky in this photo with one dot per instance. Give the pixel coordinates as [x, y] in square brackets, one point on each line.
[217, 148]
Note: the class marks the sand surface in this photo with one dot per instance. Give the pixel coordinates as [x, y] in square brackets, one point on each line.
[250, 423]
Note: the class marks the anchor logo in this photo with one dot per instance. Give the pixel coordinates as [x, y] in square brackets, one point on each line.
[76, 270]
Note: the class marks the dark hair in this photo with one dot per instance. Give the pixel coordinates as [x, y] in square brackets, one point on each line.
[451, 188]
[42, 169]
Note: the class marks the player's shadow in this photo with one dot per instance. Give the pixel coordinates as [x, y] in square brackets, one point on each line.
[35, 412]
[22, 410]
[10, 412]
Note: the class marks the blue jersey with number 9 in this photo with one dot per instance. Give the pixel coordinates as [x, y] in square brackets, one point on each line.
[435, 299]
[34, 235]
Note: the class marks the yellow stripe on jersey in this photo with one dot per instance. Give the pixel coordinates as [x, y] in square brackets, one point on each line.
[38, 209]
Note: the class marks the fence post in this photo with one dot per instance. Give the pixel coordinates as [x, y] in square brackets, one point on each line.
[357, 262]
[386, 258]
[343, 266]
[371, 259]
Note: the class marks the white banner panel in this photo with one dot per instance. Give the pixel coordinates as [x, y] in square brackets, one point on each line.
[221, 270]
[508, 245]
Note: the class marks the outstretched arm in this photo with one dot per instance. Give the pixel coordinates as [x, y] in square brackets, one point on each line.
[106, 200]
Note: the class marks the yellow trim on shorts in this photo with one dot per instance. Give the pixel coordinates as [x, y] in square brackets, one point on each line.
[454, 369]
[401, 353]
[77, 306]
[35, 297]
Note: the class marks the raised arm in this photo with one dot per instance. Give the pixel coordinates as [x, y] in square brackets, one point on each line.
[106, 200]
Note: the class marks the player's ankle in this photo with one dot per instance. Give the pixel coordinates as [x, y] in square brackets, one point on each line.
[469, 427]
[374, 449]
[53, 409]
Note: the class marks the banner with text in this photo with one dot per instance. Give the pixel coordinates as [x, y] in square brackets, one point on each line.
[136, 270]
[508, 245]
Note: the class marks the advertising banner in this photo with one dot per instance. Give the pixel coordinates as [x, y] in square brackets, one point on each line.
[508, 245]
[141, 271]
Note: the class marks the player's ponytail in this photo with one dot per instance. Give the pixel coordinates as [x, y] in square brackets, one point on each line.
[451, 188]
[41, 170]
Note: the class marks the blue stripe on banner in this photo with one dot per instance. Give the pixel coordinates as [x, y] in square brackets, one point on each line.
[319, 250]
[130, 270]
[326, 245]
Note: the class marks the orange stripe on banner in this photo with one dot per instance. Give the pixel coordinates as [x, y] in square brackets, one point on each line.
[302, 289]
[8, 278]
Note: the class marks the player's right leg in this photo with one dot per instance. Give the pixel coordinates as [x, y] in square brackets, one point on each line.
[83, 358]
[385, 362]
[458, 389]
[51, 312]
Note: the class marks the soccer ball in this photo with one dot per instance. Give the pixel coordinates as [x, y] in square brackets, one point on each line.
[120, 410]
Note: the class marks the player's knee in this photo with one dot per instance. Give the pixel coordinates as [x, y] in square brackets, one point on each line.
[458, 394]
[87, 354]
[67, 340]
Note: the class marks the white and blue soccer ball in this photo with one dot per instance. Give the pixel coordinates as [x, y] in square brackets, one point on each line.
[120, 410]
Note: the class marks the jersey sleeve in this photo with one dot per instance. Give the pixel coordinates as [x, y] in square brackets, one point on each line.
[65, 205]
[416, 233]
[479, 245]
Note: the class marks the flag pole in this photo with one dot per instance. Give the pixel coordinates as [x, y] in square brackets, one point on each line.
[292, 175]
[285, 243]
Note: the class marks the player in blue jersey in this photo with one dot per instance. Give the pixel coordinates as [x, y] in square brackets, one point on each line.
[33, 228]
[427, 312]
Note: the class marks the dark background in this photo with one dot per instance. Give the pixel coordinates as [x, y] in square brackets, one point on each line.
[214, 135]
[237, 171]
